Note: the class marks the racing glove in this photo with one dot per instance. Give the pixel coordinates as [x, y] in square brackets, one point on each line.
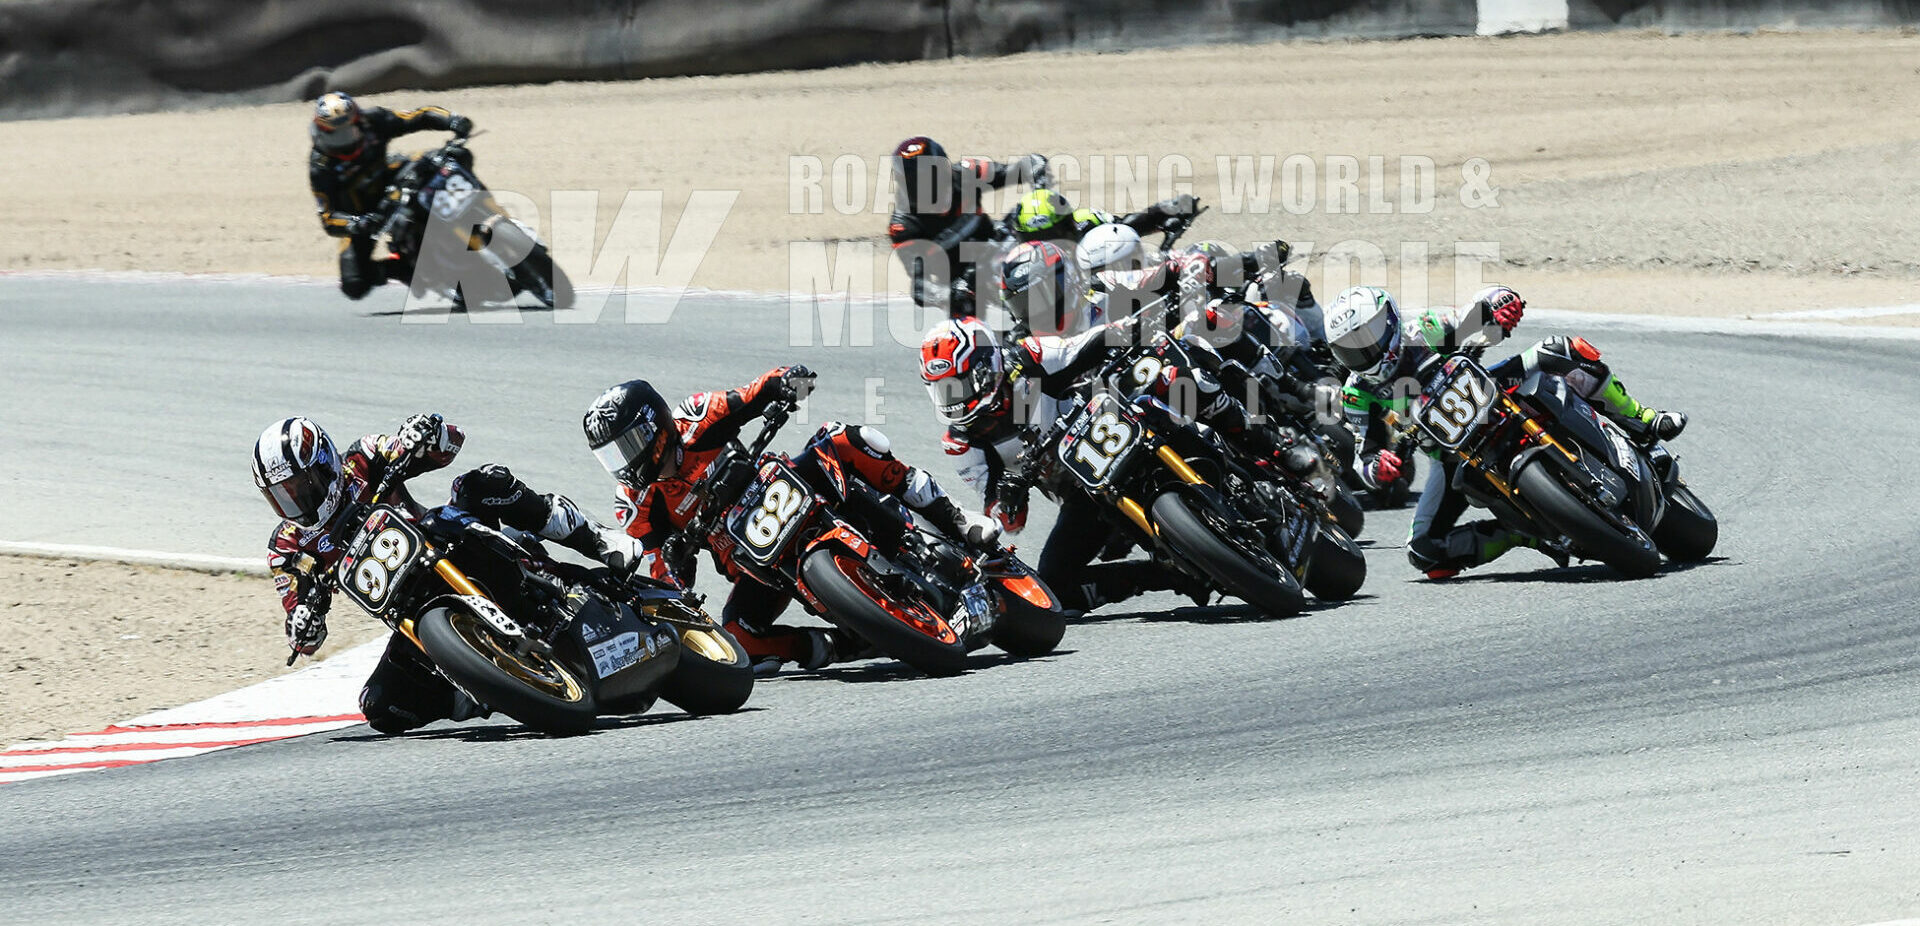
[306, 629]
[1031, 168]
[425, 434]
[1009, 503]
[362, 225]
[796, 382]
[460, 126]
[1384, 468]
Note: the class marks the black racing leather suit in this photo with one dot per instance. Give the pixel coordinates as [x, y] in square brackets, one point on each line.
[345, 188]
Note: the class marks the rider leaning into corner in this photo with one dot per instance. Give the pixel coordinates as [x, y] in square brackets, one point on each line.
[349, 170]
[660, 457]
[1369, 336]
[996, 399]
[322, 496]
[938, 209]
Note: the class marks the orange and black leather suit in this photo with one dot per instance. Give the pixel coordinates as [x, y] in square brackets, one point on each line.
[707, 421]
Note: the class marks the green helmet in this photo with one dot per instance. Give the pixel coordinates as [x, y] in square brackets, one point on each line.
[1040, 212]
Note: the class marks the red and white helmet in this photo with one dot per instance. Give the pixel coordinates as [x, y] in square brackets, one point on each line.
[336, 126]
[964, 369]
[296, 468]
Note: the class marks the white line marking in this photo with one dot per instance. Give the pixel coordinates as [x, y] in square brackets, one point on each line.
[197, 561]
[1870, 312]
[1797, 323]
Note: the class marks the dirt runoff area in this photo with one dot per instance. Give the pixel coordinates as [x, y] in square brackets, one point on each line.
[1704, 174]
[89, 644]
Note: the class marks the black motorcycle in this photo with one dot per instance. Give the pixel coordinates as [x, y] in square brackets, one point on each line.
[546, 643]
[438, 194]
[1545, 463]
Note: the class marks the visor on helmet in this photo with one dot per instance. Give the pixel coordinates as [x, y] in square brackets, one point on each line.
[342, 141]
[1367, 349]
[303, 497]
[634, 456]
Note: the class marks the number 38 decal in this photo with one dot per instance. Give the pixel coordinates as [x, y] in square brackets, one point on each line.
[777, 507]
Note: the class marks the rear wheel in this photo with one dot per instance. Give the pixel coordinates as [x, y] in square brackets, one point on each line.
[1254, 577]
[1338, 568]
[714, 675]
[904, 628]
[1688, 531]
[1031, 623]
[541, 692]
[1630, 552]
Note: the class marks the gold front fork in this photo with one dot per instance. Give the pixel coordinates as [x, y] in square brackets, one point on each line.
[457, 580]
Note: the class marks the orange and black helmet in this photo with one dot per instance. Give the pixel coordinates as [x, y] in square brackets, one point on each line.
[920, 166]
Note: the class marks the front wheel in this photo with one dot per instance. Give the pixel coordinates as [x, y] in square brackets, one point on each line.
[1261, 582]
[714, 675]
[539, 275]
[904, 628]
[541, 692]
[1688, 531]
[1632, 553]
[1031, 623]
[1338, 568]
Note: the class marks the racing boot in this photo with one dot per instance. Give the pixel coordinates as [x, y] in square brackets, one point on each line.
[1468, 546]
[1115, 582]
[569, 527]
[979, 534]
[1646, 424]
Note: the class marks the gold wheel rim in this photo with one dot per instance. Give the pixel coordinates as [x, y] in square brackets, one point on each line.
[708, 645]
[543, 675]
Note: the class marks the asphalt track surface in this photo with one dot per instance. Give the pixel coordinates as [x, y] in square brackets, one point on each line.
[1730, 743]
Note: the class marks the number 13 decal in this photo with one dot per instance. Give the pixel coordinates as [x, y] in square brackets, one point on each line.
[1103, 443]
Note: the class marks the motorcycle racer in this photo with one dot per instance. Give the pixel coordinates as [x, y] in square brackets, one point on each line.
[937, 210]
[320, 495]
[1046, 215]
[349, 169]
[1382, 351]
[996, 398]
[660, 457]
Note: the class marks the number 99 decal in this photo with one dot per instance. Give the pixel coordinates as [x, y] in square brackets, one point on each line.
[372, 577]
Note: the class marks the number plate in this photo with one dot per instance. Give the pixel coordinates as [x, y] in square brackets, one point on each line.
[1452, 408]
[1100, 437]
[452, 197]
[771, 511]
[380, 560]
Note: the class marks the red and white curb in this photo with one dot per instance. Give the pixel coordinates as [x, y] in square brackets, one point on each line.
[319, 698]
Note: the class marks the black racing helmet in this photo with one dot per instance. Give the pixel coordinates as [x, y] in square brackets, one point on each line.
[630, 430]
[920, 166]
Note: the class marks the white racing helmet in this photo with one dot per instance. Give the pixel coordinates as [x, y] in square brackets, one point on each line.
[1364, 330]
[1111, 246]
